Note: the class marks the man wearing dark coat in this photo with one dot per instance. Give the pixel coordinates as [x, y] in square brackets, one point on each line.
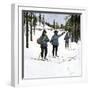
[43, 40]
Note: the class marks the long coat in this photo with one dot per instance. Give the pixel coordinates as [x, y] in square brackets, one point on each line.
[66, 38]
[43, 40]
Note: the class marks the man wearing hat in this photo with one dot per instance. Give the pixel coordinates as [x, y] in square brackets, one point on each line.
[43, 40]
[55, 42]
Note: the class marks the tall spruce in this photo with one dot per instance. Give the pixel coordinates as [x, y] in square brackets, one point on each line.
[54, 23]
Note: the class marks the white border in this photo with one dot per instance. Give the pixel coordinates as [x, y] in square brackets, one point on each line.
[16, 56]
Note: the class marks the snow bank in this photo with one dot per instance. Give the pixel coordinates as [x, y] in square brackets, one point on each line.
[67, 64]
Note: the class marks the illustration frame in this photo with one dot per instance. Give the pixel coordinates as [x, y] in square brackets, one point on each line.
[16, 44]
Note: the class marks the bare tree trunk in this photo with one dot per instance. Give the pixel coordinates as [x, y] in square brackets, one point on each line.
[27, 42]
[34, 30]
[31, 29]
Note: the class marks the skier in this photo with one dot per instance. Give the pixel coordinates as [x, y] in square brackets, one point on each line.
[55, 43]
[66, 38]
[43, 40]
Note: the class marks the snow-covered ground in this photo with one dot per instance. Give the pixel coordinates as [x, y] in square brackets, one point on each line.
[67, 64]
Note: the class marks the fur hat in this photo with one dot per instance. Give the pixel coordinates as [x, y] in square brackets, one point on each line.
[55, 31]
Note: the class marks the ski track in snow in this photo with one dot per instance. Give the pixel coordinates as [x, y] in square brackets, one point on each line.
[67, 64]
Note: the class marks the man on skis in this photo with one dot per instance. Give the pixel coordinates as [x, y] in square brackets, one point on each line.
[55, 42]
[43, 40]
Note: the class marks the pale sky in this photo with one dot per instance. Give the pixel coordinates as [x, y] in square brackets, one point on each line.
[59, 18]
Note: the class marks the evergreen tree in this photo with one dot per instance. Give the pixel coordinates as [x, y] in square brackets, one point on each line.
[73, 26]
[54, 23]
[57, 25]
[62, 26]
[34, 22]
[39, 18]
[31, 28]
[43, 21]
[30, 18]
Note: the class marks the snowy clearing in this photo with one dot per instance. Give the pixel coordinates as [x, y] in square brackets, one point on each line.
[67, 64]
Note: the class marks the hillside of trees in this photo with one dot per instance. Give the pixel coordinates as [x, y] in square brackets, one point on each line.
[73, 27]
